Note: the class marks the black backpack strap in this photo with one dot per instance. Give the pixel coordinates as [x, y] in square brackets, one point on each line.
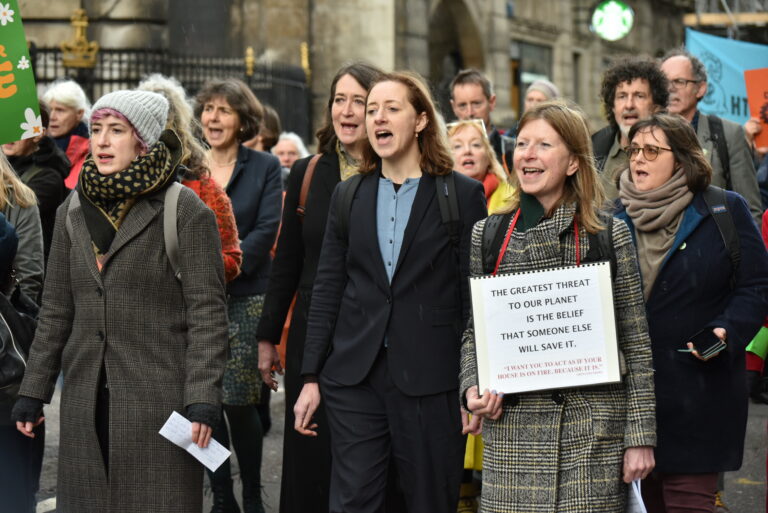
[601, 244]
[32, 171]
[449, 206]
[602, 141]
[716, 202]
[493, 237]
[346, 194]
[717, 133]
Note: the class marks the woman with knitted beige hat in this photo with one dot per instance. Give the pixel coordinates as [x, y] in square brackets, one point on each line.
[134, 340]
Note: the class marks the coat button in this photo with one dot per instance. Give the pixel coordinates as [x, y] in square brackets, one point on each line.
[101, 335]
[389, 300]
[558, 398]
[99, 292]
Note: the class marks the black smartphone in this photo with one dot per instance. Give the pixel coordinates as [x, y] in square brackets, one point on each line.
[706, 343]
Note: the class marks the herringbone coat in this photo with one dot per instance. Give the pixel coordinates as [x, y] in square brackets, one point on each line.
[562, 451]
[162, 343]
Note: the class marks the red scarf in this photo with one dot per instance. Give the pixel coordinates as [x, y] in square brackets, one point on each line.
[490, 183]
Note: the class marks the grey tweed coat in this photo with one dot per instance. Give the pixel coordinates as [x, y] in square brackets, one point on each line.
[163, 345]
[562, 451]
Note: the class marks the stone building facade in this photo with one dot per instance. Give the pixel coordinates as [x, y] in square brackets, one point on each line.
[513, 41]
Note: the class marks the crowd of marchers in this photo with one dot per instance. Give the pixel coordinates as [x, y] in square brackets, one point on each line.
[176, 253]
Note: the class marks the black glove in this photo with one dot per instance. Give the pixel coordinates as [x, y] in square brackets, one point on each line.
[27, 409]
[204, 414]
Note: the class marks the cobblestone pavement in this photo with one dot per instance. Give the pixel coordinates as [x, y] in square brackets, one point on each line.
[744, 490]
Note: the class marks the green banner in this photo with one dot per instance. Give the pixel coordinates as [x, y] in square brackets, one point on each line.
[19, 110]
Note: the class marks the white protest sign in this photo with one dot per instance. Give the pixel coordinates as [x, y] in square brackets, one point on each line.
[546, 329]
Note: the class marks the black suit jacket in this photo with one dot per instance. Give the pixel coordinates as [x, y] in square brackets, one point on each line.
[421, 313]
[299, 243]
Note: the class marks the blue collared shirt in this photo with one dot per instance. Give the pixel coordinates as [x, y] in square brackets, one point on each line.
[393, 208]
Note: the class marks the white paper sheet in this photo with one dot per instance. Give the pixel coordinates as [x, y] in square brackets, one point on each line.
[178, 430]
[546, 329]
[635, 499]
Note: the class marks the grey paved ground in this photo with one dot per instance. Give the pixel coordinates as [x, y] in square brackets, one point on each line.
[745, 489]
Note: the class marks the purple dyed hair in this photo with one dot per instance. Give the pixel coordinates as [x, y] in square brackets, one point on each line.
[103, 113]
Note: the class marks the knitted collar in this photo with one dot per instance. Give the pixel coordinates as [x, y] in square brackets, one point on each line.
[109, 198]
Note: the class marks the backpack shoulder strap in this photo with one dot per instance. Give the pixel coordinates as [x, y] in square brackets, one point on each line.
[346, 194]
[717, 132]
[716, 202]
[449, 205]
[170, 231]
[493, 238]
[305, 183]
[73, 204]
[32, 172]
[601, 244]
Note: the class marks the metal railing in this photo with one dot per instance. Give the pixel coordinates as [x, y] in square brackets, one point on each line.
[280, 85]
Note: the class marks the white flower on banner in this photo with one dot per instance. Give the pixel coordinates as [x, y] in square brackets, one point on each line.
[6, 14]
[33, 126]
[23, 63]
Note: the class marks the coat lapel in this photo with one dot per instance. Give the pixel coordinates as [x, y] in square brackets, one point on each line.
[367, 194]
[705, 137]
[425, 194]
[137, 219]
[242, 158]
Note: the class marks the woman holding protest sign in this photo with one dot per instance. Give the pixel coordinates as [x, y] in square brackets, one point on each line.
[569, 449]
[704, 304]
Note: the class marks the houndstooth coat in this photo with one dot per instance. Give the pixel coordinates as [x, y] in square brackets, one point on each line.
[562, 451]
[163, 345]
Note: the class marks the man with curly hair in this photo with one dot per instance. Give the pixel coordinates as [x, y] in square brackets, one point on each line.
[633, 88]
[724, 142]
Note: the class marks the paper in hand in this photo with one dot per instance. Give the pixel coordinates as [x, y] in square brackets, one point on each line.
[635, 498]
[178, 430]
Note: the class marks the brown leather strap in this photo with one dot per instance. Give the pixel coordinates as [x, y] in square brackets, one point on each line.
[305, 185]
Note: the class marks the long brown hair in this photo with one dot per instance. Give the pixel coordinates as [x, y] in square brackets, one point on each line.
[685, 147]
[436, 157]
[365, 75]
[583, 187]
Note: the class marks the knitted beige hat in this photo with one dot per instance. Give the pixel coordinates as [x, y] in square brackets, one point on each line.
[147, 112]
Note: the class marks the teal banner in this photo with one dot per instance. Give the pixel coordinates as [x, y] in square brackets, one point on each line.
[726, 61]
[19, 110]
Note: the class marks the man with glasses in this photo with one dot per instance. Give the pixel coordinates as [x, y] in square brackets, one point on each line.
[724, 142]
[472, 98]
[633, 88]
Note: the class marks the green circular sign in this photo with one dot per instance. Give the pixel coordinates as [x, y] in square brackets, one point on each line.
[612, 20]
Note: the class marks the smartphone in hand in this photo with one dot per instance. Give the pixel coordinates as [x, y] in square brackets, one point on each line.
[706, 343]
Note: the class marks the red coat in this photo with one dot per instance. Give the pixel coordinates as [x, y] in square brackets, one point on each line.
[77, 151]
[218, 201]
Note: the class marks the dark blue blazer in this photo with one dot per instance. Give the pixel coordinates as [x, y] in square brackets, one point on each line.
[422, 312]
[702, 406]
[256, 193]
